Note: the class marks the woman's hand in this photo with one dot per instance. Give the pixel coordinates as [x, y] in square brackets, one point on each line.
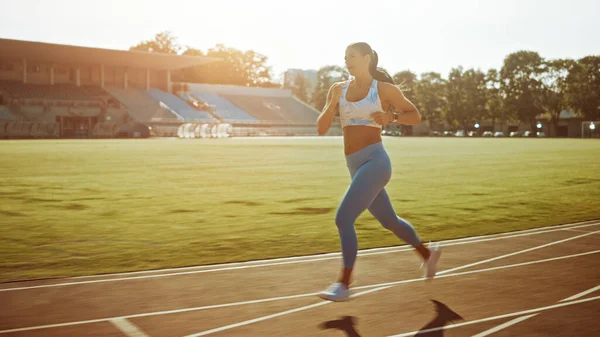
[336, 93]
[383, 118]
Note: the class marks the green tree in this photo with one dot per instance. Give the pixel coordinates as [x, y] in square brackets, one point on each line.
[191, 51]
[455, 97]
[429, 93]
[583, 87]
[163, 42]
[553, 94]
[521, 85]
[465, 97]
[475, 97]
[494, 100]
[245, 68]
[407, 81]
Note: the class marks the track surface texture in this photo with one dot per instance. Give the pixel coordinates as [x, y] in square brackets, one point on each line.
[539, 282]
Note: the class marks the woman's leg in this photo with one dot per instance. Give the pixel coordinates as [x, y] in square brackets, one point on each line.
[366, 184]
[383, 211]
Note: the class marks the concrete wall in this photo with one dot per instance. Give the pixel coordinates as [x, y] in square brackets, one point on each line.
[8, 74]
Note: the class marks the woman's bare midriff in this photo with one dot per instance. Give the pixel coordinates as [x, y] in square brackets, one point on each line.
[358, 137]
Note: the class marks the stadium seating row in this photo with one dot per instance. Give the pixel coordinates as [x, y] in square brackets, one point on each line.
[186, 111]
[156, 105]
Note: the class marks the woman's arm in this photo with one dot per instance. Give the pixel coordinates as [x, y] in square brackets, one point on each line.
[326, 117]
[408, 113]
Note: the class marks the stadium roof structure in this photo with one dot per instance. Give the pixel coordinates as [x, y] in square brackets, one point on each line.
[61, 54]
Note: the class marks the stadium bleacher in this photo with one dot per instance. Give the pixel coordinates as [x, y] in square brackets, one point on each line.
[186, 111]
[47, 87]
[141, 106]
[5, 114]
[96, 91]
[226, 110]
[42, 103]
[286, 109]
[257, 107]
[237, 104]
[294, 110]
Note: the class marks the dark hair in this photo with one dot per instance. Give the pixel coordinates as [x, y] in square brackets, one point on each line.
[378, 73]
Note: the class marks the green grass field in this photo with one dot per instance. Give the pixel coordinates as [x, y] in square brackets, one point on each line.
[80, 207]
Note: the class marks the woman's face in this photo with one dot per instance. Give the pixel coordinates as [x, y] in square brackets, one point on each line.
[356, 63]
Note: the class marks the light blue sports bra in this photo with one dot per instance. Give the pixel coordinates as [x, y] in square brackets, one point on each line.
[359, 113]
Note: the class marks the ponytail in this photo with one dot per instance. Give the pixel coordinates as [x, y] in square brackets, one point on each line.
[379, 73]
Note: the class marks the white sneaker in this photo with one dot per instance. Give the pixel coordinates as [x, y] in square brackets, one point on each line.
[431, 264]
[337, 292]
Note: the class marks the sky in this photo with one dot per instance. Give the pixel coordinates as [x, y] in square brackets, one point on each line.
[415, 35]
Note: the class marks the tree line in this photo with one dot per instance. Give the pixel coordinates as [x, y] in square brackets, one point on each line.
[527, 86]
[246, 68]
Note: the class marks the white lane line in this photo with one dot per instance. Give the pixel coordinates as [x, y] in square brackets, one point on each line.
[476, 271]
[519, 313]
[335, 255]
[128, 328]
[376, 287]
[521, 319]
[518, 252]
[503, 326]
[256, 320]
[581, 294]
[382, 287]
[266, 264]
[283, 313]
[574, 230]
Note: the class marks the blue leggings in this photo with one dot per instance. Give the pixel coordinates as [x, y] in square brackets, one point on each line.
[370, 169]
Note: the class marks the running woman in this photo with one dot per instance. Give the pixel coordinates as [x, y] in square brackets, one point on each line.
[365, 104]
